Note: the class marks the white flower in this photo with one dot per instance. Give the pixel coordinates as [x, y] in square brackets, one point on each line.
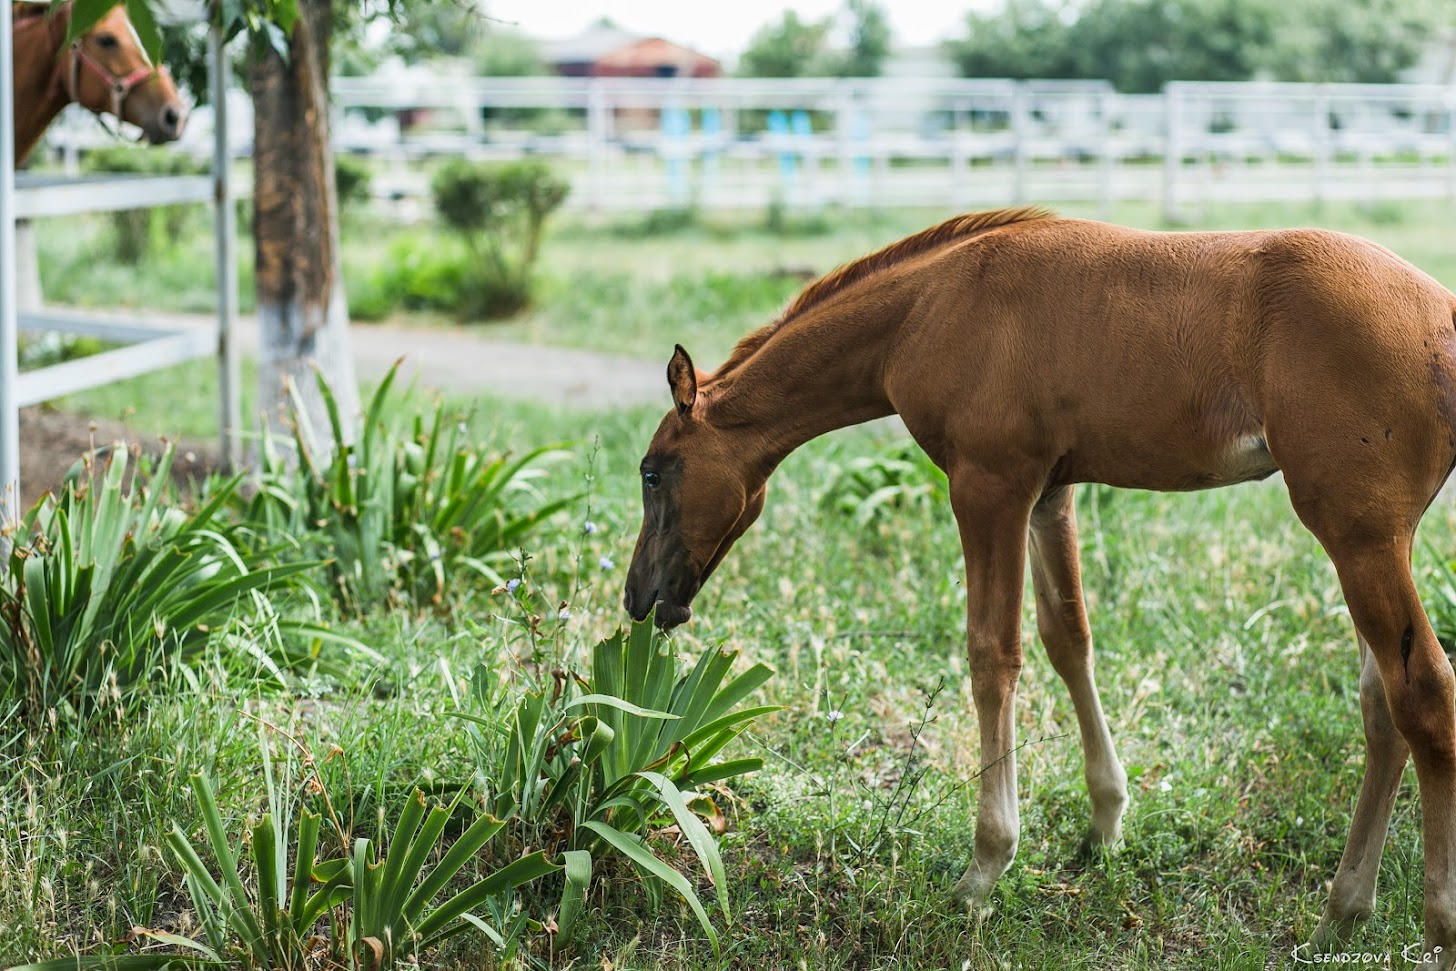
[563, 614]
[1165, 786]
[835, 715]
[588, 527]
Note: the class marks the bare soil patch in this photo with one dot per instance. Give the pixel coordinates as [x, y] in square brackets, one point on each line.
[53, 442]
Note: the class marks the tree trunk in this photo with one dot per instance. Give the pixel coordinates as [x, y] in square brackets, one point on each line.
[303, 318]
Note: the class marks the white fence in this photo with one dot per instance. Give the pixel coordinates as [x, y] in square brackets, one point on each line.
[741, 143]
[144, 346]
[744, 143]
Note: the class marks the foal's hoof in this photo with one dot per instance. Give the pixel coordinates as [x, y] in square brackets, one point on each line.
[971, 899]
[1095, 846]
[1332, 934]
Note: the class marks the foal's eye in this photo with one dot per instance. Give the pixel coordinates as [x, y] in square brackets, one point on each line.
[651, 479]
[107, 41]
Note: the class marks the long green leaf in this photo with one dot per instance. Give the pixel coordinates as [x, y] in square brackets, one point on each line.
[437, 924]
[697, 835]
[578, 867]
[613, 702]
[635, 850]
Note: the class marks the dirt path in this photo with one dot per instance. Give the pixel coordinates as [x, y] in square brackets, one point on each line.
[459, 361]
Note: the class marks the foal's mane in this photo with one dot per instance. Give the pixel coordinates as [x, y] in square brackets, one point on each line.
[952, 230]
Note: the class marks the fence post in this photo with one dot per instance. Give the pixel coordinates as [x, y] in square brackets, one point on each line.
[1172, 150]
[598, 124]
[843, 118]
[9, 340]
[1450, 145]
[1018, 146]
[1321, 110]
[1105, 192]
[224, 216]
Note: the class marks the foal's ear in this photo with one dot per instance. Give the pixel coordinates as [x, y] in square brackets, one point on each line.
[682, 378]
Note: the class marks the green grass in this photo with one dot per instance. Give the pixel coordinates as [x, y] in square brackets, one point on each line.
[1226, 663]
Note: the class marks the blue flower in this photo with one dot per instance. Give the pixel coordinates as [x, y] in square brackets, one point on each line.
[606, 563]
[588, 527]
[511, 585]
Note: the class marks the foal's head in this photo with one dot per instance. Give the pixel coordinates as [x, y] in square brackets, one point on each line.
[107, 71]
[700, 491]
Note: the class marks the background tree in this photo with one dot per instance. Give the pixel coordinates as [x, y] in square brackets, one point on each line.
[1140, 45]
[869, 40]
[507, 53]
[788, 48]
[451, 28]
[303, 317]
[1026, 38]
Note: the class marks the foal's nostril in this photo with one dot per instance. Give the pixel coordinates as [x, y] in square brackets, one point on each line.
[170, 118]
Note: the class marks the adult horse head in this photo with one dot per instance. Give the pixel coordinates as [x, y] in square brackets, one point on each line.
[1027, 354]
[105, 70]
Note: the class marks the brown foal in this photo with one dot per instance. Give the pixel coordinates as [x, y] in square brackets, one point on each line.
[1026, 353]
[104, 70]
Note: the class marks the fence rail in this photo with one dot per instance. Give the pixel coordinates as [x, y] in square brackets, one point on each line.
[633, 143]
[144, 347]
[745, 143]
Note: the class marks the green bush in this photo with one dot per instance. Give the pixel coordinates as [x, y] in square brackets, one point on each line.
[593, 764]
[137, 233]
[405, 513]
[352, 179]
[900, 475]
[661, 222]
[269, 901]
[426, 275]
[109, 586]
[500, 213]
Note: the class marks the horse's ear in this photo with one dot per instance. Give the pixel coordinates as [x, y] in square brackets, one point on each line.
[682, 378]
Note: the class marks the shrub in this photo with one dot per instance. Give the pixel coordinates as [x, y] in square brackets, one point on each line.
[270, 902]
[899, 476]
[352, 179]
[500, 213]
[137, 233]
[107, 588]
[661, 222]
[405, 512]
[594, 764]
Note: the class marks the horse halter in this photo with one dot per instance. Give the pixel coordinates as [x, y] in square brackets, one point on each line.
[120, 87]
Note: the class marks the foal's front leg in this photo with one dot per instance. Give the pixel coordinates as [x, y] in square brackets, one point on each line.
[993, 514]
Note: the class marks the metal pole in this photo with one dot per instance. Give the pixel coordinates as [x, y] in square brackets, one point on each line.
[223, 219]
[9, 341]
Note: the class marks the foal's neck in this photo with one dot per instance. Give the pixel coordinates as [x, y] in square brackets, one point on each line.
[40, 92]
[813, 375]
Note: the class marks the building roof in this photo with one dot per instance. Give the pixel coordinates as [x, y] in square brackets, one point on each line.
[652, 52]
[588, 46]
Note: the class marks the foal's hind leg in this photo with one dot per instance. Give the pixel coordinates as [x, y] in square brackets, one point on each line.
[1352, 895]
[1371, 551]
[1061, 619]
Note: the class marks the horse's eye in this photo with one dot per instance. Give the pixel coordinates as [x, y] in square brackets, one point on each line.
[107, 41]
[651, 479]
